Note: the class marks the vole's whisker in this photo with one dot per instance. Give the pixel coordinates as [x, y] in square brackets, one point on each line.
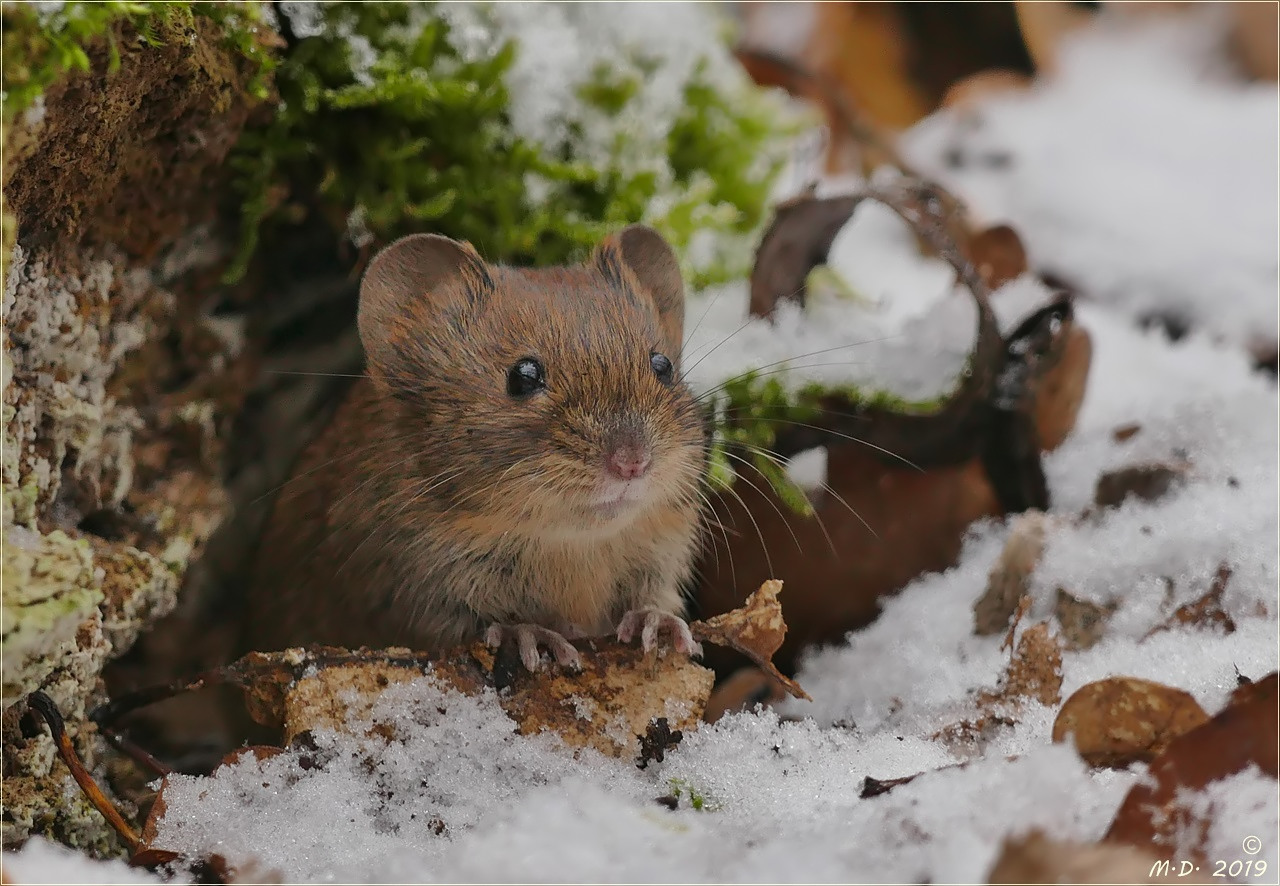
[826, 487]
[852, 439]
[763, 453]
[764, 546]
[769, 499]
[787, 362]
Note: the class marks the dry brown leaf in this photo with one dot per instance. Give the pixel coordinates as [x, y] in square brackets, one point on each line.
[1125, 432]
[745, 689]
[756, 629]
[1255, 35]
[1010, 578]
[1035, 858]
[1081, 622]
[1034, 672]
[976, 88]
[1147, 482]
[1204, 612]
[998, 254]
[1161, 812]
[895, 517]
[1121, 720]
[1044, 25]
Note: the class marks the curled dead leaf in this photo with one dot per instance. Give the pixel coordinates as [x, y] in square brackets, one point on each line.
[1163, 811]
[1034, 673]
[1147, 482]
[1035, 858]
[1121, 720]
[756, 629]
[1082, 622]
[1205, 611]
[1010, 578]
[746, 688]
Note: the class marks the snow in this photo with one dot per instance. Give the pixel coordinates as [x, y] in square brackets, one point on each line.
[1138, 212]
[781, 799]
[1142, 173]
[884, 317]
[41, 861]
[562, 47]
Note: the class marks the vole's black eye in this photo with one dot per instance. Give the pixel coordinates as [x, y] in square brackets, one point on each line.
[526, 377]
[662, 368]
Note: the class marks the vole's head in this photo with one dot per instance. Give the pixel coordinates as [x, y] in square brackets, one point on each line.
[545, 402]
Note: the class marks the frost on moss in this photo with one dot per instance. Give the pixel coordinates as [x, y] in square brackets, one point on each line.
[475, 121]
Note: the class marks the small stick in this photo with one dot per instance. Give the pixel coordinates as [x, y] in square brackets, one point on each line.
[134, 751]
[44, 706]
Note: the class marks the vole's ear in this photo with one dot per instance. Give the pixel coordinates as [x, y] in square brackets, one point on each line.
[409, 287]
[651, 263]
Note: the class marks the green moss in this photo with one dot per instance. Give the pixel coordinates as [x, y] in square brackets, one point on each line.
[42, 45]
[697, 799]
[750, 407]
[382, 115]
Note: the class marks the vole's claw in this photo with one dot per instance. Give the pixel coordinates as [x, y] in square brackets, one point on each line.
[528, 638]
[651, 622]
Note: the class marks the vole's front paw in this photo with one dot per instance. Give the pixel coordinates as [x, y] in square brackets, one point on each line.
[651, 622]
[529, 637]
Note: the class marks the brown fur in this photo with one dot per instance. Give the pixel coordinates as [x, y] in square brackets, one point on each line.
[436, 503]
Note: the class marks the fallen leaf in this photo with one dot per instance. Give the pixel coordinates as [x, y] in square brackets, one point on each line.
[1122, 720]
[1034, 673]
[1255, 32]
[742, 691]
[1206, 611]
[874, 787]
[977, 88]
[1010, 577]
[1147, 482]
[611, 702]
[998, 254]
[756, 629]
[619, 691]
[1125, 432]
[1081, 622]
[1035, 858]
[1045, 24]
[1162, 808]
[897, 515]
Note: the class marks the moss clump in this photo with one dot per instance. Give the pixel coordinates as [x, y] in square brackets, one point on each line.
[42, 44]
[401, 117]
[697, 799]
[749, 407]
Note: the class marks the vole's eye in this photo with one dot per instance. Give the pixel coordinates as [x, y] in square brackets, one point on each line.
[526, 377]
[662, 368]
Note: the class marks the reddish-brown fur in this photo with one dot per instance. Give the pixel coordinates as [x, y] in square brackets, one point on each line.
[436, 503]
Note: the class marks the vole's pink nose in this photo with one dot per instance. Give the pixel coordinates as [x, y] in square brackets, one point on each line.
[628, 462]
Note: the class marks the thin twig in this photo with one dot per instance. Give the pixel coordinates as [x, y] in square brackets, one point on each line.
[44, 706]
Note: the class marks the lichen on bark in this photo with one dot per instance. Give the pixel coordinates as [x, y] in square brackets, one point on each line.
[118, 383]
